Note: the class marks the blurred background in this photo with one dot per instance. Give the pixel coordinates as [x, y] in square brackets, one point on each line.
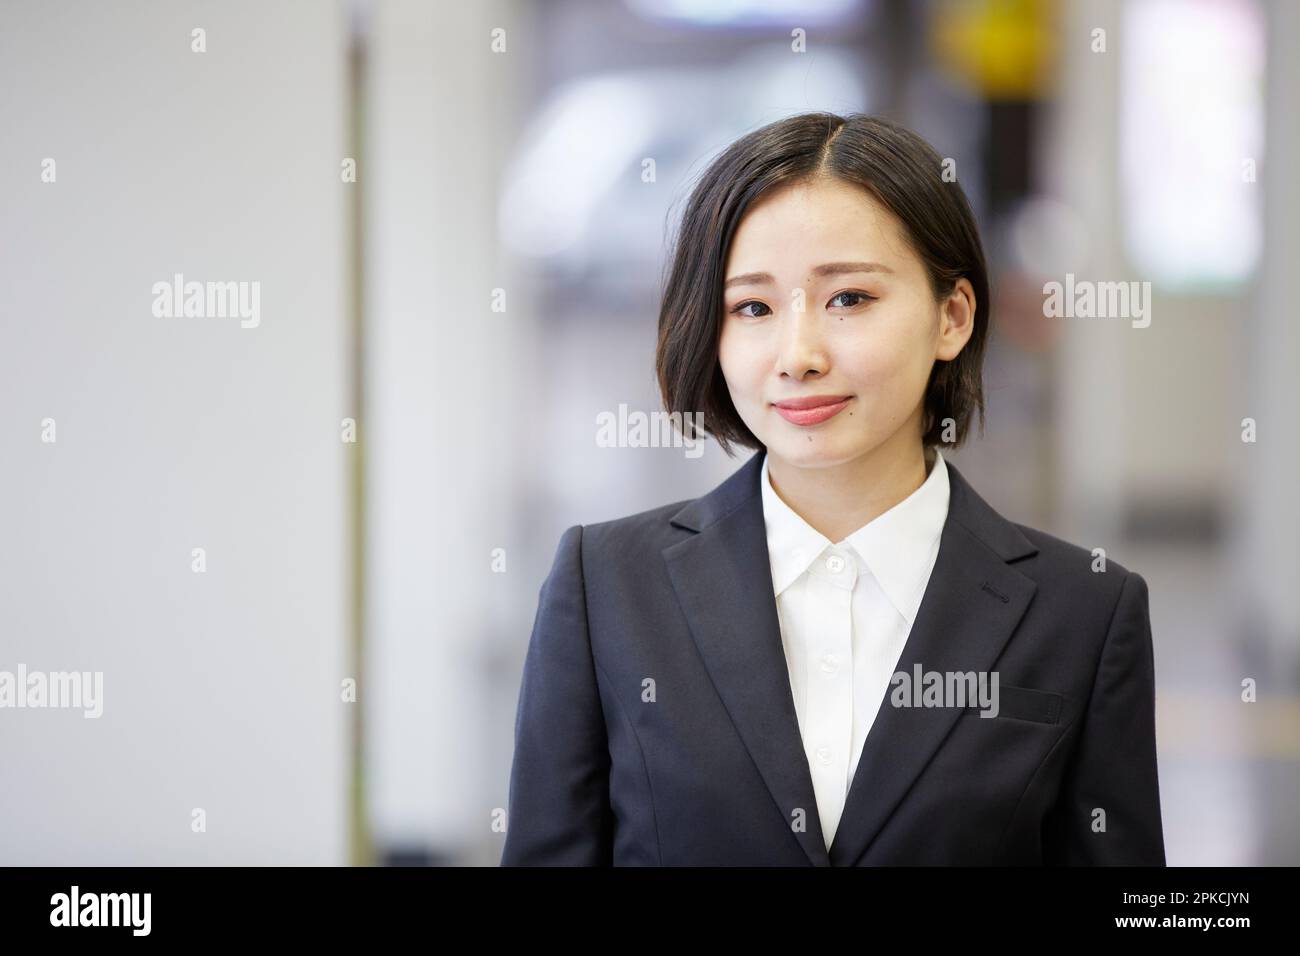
[305, 555]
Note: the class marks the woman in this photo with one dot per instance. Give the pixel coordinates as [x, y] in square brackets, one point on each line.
[841, 655]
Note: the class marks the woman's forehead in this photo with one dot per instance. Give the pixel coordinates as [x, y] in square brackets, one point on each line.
[804, 227]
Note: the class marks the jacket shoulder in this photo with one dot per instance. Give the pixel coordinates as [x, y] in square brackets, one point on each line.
[1070, 569]
[1065, 554]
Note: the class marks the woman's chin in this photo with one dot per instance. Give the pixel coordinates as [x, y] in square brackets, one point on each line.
[813, 450]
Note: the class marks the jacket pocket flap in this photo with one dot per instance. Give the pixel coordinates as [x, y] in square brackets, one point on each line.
[1024, 703]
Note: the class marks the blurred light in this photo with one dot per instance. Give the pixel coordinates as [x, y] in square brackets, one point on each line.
[772, 85]
[361, 16]
[1002, 49]
[733, 13]
[591, 134]
[1191, 123]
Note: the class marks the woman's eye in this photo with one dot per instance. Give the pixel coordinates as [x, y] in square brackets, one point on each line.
[859, 297]
[739, 310]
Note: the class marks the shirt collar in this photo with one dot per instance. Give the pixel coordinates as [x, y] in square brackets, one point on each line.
[898, 547]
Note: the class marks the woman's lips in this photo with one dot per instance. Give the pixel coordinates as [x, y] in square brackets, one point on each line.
[812, 411]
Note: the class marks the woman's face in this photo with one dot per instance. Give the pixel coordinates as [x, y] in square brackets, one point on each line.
[824, 300]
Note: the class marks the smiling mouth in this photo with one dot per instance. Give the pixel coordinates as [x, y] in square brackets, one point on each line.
[812, 411]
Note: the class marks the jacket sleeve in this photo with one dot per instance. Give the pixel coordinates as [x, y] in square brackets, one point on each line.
[1113, 767]
[559, 812]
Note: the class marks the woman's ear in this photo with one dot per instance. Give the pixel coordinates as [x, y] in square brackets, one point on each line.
[956, 320]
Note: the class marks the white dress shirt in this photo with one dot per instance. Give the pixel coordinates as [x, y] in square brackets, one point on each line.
[845, 612]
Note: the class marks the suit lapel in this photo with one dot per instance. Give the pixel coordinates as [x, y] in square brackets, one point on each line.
[971, 606]
[723, 581]
[722, 577]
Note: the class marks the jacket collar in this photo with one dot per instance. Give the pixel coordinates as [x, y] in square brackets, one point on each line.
[722, 578]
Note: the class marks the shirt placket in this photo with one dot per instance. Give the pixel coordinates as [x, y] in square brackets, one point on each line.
[830, 676]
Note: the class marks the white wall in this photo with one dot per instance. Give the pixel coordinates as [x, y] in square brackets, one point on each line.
[221, 689]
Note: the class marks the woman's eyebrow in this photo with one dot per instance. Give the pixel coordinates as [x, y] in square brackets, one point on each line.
[827, 269]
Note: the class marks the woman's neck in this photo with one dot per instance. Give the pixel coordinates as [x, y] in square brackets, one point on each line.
[839, 499]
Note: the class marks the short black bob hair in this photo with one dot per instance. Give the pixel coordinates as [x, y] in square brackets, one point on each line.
[901, 171]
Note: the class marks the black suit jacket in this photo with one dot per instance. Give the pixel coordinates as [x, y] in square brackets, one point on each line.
[656, 724]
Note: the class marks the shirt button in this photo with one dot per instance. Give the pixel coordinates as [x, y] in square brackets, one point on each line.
[824, 754]
[834, 564]
[830, 664]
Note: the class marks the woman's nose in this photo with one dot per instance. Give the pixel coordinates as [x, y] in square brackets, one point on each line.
[802, 348]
